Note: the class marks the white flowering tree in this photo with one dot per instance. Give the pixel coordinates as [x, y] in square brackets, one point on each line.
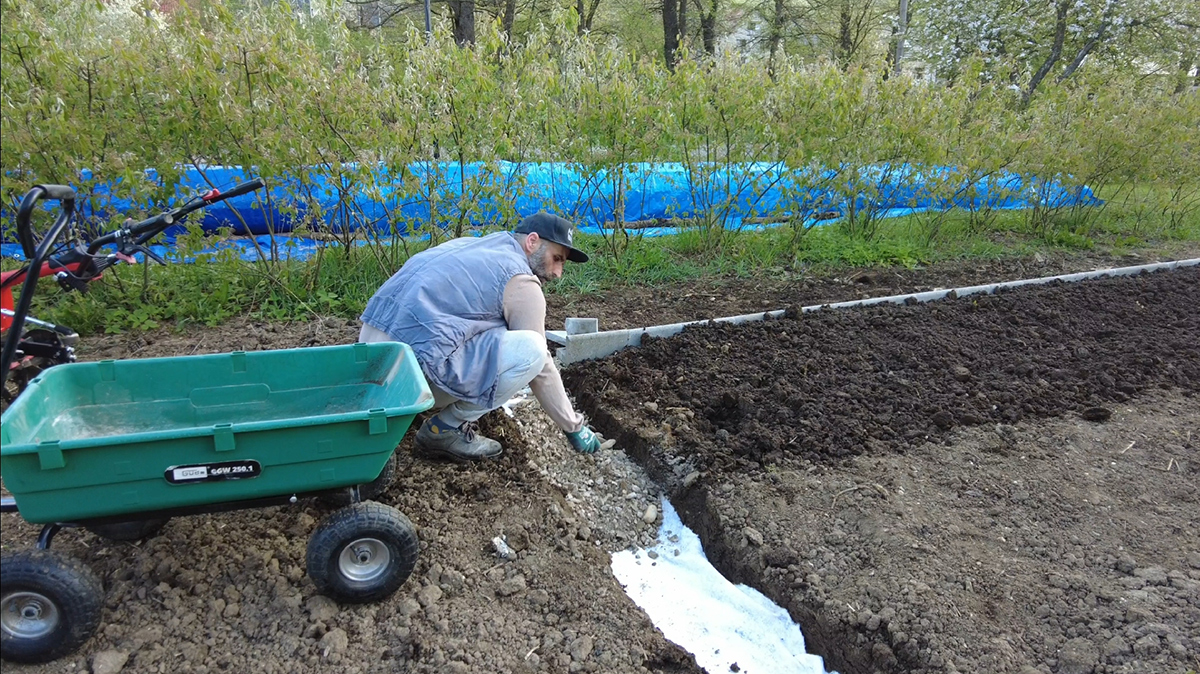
[1028, 41]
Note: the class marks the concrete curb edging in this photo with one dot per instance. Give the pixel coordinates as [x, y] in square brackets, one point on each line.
[582, 341]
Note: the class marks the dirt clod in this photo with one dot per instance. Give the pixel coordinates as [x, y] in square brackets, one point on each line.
[109, 662]
[334, 641]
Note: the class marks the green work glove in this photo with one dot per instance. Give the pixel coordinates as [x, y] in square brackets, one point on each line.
[585, 440]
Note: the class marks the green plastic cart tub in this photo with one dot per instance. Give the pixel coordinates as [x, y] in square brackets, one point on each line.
[107, 438]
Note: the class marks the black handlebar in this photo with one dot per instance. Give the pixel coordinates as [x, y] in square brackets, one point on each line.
[238, 190]
[36, 256]
[25, 212]
[141, 232]
[58, 192]
[130, 240]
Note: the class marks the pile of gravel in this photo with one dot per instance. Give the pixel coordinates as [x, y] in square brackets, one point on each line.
[617, 504]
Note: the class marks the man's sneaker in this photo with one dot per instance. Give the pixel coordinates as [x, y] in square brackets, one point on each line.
[457, 444]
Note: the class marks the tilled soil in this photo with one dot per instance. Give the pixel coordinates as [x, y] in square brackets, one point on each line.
[732, 295]
[838, 382]
[990, 484]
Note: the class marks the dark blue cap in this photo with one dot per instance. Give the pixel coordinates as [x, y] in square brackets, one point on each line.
[553, 228]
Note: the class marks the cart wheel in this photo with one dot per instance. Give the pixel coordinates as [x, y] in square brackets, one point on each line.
[129, 531]
[365, 491]
[363, 552]
[49, 606]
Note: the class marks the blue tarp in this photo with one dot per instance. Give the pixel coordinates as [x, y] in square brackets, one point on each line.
[392, 205]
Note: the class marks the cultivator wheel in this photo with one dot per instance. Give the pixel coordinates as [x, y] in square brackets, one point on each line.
[49, 605]
[19, 376]
[42, 349]
[362, 553]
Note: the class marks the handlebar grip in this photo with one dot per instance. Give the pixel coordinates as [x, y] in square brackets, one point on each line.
[25, 211]
[238, 190]
[57, 192]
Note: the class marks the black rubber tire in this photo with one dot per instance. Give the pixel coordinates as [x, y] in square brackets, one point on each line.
[129, 531]
[366, 491]
[362, 553]
[37, 580]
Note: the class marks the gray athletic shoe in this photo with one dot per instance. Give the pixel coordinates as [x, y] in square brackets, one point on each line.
[457, 444]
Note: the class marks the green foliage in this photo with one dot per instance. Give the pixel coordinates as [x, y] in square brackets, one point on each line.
[102, 87]
[339, 282]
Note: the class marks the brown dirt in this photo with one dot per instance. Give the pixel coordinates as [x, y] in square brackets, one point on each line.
[921, 486]
[227, 592]
[701, 299]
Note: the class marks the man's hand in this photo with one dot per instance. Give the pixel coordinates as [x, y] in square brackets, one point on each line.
[587, 441]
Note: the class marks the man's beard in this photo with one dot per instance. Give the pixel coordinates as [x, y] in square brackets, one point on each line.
[538, 263]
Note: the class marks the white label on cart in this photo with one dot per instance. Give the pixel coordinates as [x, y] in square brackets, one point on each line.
[190, 473]
[212, 472]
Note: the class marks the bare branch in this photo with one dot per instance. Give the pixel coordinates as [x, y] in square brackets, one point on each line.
[1060, 36]
[1085, 50]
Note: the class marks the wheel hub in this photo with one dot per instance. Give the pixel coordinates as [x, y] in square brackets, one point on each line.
[364, 559]
[27, 615]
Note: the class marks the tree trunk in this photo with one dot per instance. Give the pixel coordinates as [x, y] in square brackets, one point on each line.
[845, 38]
[889, 60]
[708, 28]
[1060, 35]
[776, 37]
[1185, 70]
[895, 55]
[510, 14]
[670, 31]
[370, 14]
[591, 15]
[580, 11]
[463, 13]
[682, 22]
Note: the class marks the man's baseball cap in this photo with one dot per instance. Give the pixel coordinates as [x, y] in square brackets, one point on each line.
[552, 228]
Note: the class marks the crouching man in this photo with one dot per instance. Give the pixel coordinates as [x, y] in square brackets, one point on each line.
[474, 313]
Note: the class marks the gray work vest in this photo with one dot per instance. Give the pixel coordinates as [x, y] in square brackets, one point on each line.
[447, 303]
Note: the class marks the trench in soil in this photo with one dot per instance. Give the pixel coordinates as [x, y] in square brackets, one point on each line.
[822, 637]
[821, 388]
